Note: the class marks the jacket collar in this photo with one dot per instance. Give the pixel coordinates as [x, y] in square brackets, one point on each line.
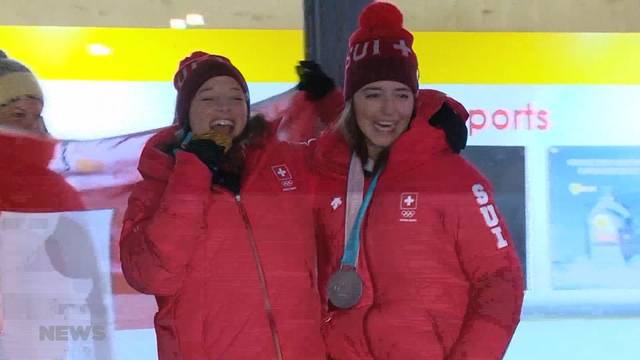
[26, 150]
[155, 159]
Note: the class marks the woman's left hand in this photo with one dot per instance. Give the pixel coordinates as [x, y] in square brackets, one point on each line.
[453, 126]
[313, 80]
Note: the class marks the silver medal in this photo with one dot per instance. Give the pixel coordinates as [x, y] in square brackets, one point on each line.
[345, 288]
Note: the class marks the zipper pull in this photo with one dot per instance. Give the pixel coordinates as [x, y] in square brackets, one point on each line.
[237, 198]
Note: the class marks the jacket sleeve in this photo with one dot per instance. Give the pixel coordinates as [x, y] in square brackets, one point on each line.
[305, 119]
[490, 262]
[330, 107]
[162, 226]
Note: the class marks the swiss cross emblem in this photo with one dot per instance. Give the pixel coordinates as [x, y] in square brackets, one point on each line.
[408, 207]
[402, 46]
[409, 201]
[284, 176]
[282, 172]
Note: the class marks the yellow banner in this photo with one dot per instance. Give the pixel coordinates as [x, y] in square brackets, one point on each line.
[75, 53]
[528, 58]
[270, 55]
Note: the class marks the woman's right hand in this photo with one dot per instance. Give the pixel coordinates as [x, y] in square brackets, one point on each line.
[209, 152]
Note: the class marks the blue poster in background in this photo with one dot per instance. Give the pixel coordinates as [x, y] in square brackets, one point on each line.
[595, 217]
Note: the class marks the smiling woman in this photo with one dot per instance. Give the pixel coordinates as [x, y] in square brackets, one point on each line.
[417, 221]
[220, 227]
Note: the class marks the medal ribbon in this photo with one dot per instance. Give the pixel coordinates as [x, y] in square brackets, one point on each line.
[355, 188]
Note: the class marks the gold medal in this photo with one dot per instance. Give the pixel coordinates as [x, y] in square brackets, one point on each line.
[219, 138]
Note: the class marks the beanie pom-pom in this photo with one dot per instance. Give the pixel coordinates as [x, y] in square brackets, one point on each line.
[193, 57]
[381, 14]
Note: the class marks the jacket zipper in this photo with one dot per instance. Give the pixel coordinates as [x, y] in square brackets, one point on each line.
[263, 282]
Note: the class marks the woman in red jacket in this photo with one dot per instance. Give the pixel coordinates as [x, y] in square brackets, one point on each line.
[218, 232]
[27, 184]
[415, 260]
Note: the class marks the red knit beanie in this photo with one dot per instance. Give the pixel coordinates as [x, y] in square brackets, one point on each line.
[380, 49]
[194, 71]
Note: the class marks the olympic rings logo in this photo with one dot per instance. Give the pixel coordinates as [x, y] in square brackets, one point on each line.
[408, 213]
[287, 183]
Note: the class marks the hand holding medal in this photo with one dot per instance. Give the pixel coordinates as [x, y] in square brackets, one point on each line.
[221, 138]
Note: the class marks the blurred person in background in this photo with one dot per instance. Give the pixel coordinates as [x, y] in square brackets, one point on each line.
[27, 184]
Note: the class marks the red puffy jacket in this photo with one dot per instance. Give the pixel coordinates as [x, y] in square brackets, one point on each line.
[190, 244]
[442, 278]
[26, 183]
